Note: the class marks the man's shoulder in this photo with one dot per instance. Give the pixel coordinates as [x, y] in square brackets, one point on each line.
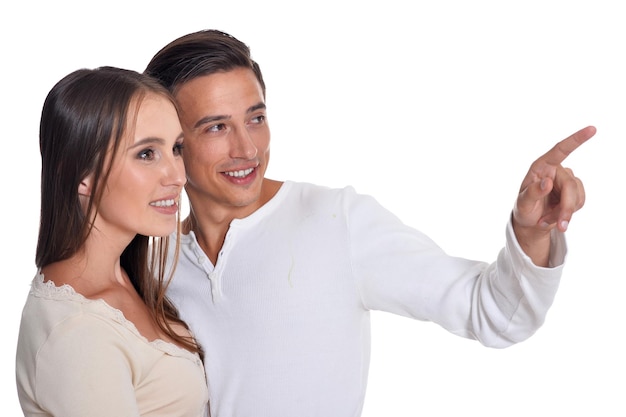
[312, 189]
[306, 194]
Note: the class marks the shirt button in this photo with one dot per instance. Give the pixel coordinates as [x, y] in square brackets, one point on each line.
[202, 259]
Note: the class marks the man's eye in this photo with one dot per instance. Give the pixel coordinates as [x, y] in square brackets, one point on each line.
[178, 149]
[258, 119]
[216, 128]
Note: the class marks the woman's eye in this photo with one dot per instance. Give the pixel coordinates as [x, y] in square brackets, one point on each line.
[178, 149]
[146, 155]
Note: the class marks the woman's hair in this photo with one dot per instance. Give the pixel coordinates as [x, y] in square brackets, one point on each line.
[83, 122]
[201, 53]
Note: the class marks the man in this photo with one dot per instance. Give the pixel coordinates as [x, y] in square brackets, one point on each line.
[277, 279]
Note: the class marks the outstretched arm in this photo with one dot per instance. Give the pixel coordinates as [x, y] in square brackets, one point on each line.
[548, 197]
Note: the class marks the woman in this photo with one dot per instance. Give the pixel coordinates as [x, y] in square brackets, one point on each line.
[98, 337]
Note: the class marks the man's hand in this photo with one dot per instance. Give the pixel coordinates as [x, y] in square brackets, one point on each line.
[550, 194]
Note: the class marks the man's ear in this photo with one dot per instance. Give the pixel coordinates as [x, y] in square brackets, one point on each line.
[84, 188]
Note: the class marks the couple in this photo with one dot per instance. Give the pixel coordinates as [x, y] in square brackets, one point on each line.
[271, 282]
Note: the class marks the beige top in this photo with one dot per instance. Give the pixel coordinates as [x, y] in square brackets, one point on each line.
[78, 357]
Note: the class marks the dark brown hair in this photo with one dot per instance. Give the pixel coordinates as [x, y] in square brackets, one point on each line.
[83, 122]
[201, 53]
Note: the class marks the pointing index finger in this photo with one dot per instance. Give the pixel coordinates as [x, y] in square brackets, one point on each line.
[561, 150]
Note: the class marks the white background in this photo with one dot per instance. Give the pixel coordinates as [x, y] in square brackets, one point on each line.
[435, 108]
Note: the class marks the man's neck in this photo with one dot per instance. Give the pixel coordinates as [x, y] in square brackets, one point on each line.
[210, 224]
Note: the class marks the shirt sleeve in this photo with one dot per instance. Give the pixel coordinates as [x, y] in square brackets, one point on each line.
[84, 369]
[402, 271]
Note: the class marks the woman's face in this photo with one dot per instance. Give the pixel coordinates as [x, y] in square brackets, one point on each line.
[147, 175]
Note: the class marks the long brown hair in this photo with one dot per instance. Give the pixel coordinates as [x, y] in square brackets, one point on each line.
[83, 118]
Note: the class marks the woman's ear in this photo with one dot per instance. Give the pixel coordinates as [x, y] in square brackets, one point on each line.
[84, 188]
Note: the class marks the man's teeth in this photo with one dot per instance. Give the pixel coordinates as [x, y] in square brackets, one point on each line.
[163, 203]
[240, 173]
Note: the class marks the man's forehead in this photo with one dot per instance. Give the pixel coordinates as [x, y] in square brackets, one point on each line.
[235, 79]
[219, 96]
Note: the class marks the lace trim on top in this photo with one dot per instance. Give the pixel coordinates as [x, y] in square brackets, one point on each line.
[65, 292]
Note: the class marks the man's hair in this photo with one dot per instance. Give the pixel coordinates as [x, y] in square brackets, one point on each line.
[200, 53]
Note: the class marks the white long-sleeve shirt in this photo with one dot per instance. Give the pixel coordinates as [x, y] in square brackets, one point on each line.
[283, 316]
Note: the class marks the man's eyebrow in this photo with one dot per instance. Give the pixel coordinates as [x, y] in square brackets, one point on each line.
[259, 106]
[210, 119]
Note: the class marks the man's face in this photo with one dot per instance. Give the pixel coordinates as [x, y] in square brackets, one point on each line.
[227, 139]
